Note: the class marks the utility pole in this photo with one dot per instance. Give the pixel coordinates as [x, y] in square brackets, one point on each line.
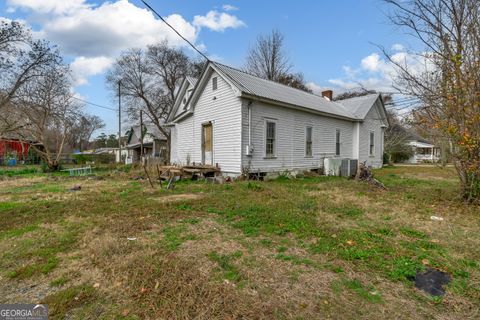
[119, 123]
[141, 136]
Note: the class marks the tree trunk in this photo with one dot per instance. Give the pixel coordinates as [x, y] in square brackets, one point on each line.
[469, 181]
[53, 165]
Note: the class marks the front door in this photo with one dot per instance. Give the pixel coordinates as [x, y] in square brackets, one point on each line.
[207, 144]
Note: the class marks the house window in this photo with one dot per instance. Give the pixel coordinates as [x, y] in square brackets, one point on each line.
[308, 142]
[214, 83]
[372, 143]
[337, 142]
[270, 136]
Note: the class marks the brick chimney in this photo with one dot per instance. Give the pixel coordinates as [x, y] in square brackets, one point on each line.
[328, 94]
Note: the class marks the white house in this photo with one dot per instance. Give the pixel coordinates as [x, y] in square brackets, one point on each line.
[245, 123]
[424, 151]
[154, 143]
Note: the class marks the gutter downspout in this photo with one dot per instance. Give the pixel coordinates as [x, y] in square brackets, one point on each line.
[250, 124]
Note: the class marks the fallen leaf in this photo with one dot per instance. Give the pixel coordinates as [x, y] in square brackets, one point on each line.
[350, 242]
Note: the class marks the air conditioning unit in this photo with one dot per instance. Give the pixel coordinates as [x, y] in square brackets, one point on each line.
[349, 167]
[332, 166]
[340, 167]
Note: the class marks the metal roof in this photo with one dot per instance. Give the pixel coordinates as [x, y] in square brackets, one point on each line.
[192, 80]
[151, 129]
[255, 86]
[359, 106]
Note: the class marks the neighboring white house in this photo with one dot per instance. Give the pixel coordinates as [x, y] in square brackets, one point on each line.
[245, 123]
[154, 143]
[424, 151]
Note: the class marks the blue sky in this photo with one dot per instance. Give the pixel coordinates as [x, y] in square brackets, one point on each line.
[331, 42]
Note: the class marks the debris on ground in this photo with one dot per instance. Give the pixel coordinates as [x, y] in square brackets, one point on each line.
[432, 281]
[364, 173]
[138, 178]
[76, 188]
[215, 180]
[131, 238]
[435, 218]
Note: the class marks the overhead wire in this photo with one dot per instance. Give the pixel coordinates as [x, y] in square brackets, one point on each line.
[175, 30]
[93, 104]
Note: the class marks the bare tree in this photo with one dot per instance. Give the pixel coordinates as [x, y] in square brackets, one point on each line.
[267, 58]
[360, 93]
[82, 130]
[51, 112]
[170, 65]
[397, 136]
[22, 60]
[448, 85]
[294, 80]
[149, 81]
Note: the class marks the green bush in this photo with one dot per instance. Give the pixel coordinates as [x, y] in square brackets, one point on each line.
[95, 158]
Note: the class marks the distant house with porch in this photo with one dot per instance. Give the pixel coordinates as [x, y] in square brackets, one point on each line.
[424, 150]
[154, 143]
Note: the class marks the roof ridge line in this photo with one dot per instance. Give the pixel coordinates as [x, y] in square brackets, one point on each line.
[273, 81]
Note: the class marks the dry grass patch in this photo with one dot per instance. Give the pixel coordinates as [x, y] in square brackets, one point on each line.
[178, 197]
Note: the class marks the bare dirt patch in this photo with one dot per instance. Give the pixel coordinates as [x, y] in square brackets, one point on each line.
[178, 197]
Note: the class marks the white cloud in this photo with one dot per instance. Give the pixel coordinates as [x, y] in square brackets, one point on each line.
[112, 27]
[378, 73]
[83, 68]
[398, 47]
[229, 7]
[95, 34]
[218, 21]
[49, 6]
[371, 62]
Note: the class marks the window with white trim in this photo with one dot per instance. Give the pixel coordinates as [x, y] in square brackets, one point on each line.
[308, 142]
[372, 143]
[337, 142]
[270, 138]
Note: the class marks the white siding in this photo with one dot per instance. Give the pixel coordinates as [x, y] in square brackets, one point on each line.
[223, 108]
[290, 138]
[373, 123]
[173, 144]
[182, 136]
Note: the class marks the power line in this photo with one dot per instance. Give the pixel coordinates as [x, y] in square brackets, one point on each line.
[93, 104]
[171, 27]
[178, 33]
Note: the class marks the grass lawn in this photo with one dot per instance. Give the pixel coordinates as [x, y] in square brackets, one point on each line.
[311, 248]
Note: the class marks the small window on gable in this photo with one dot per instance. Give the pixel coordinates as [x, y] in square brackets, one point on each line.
[337, 142]
[214, 83]
[308, 142]
[372, 143]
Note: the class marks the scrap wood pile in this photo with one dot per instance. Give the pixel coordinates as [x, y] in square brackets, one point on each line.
[171, 173]
[364, 173]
